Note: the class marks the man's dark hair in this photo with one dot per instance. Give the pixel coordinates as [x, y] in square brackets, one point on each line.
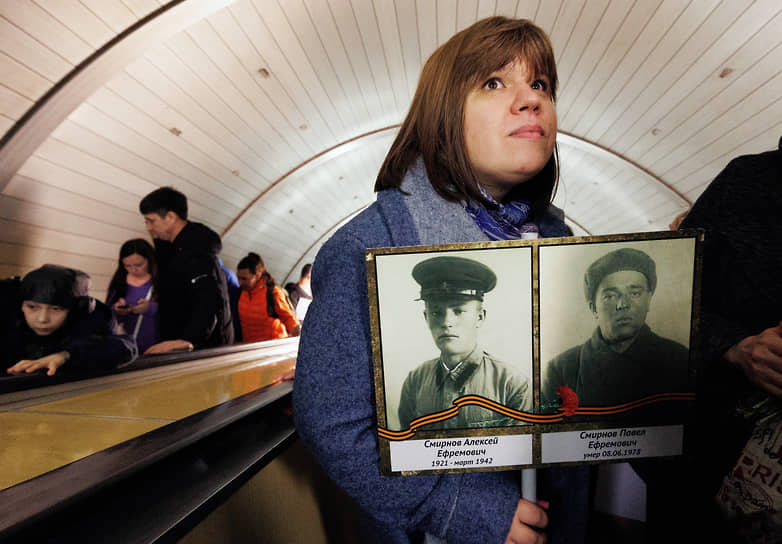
[164, 200]
[305, 270]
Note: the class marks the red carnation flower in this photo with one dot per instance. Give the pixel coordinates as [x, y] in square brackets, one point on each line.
[569, 400]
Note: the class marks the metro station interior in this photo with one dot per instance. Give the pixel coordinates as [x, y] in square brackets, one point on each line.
[274, 117]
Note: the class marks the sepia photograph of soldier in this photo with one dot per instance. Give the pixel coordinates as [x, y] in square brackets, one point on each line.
[452, 289]
[623, 359]
[445, 341]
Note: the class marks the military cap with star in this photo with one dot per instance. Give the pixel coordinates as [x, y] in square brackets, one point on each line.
[446, 276]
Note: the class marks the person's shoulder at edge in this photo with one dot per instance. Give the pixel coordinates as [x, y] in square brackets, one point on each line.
[197, 236]
[741, 175]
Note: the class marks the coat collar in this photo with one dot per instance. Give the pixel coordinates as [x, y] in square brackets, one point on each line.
[422, 217]
[417, 215]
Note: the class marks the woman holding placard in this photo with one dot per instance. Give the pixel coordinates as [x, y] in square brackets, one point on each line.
[474, 160]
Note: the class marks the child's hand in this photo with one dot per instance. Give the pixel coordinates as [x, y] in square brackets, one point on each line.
[50, 362]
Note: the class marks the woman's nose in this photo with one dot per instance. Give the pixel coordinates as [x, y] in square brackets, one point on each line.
[526, 98]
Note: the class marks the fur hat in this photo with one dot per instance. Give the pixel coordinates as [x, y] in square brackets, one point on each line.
[615, 261]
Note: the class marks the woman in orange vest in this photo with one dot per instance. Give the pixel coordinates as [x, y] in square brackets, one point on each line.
[264, 311]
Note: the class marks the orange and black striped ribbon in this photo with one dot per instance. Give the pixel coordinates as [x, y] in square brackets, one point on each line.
[528, 417]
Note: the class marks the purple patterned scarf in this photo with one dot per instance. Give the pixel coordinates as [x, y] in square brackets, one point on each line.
[506, 222]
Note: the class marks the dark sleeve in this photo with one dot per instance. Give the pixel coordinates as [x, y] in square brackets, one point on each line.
[91, 344]
[334, 408]
[719, 327]
[205, 293]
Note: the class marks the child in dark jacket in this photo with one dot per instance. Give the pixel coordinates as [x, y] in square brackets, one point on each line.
[50, 322]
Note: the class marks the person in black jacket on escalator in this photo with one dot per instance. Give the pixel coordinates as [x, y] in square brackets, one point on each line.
[194, 305]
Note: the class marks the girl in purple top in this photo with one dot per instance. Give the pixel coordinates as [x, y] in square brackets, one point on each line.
[132, 294]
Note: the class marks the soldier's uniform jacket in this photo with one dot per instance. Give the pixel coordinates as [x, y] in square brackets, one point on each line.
[432, 388]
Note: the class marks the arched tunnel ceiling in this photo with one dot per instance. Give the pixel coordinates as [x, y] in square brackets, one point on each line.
[273, 116]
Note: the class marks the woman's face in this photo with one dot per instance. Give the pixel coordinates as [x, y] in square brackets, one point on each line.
[136, 265]
[43, 319]
[248, 280]
[510, 128]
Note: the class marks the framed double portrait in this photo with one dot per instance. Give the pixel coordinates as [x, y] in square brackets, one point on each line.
[534, 353]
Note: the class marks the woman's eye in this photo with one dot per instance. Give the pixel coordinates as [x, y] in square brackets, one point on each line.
[539, 85]
[493, 83]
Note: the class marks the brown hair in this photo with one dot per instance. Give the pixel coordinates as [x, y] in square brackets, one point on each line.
[434, 126]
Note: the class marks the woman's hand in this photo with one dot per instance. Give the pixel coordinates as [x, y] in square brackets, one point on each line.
[121, 307]
[168, 346]
[528, 522]
[50, 362]
[141, 307]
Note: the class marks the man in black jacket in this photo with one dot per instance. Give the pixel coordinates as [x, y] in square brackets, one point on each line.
[193, 296]
[741, 369]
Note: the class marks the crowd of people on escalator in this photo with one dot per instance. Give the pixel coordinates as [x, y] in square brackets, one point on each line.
[171, 295]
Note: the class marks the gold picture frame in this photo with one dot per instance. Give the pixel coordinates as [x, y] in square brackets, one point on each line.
[535, 313]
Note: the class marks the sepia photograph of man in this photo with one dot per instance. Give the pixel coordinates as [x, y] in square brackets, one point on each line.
[623, 358]
[458, 330]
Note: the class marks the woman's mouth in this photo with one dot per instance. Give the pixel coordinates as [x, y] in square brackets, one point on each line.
[532, 132]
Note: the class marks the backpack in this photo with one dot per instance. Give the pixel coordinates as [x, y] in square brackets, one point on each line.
[270, 309]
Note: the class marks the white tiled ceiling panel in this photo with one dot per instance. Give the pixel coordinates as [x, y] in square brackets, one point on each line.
[273, 116]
